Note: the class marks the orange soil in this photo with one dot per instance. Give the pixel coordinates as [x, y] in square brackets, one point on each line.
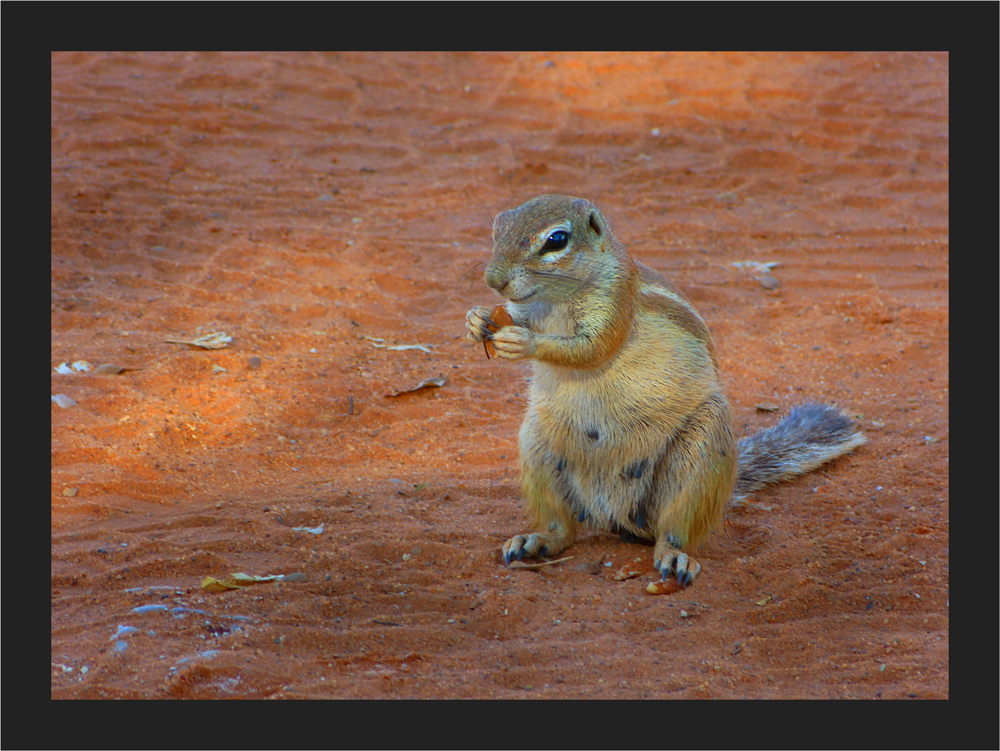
[303, 202]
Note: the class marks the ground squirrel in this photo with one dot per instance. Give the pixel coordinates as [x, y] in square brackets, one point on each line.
[627, 429]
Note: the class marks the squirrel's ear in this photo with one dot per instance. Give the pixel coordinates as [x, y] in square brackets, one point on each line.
[595, 223]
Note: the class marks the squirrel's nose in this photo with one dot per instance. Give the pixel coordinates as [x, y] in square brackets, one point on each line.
[495, 279]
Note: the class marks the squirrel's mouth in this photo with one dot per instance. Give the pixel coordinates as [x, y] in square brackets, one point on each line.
[525, 298]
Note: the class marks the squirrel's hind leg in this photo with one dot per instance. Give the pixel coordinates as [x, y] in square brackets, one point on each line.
[552, 518]
[551, 514]
[694, 481]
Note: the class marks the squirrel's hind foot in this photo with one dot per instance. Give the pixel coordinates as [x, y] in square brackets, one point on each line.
[534, 545]
[671, 562]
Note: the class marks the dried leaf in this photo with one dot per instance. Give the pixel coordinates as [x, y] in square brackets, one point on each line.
[522, 564]
[63, 401]
[215, 340]
[401, 347]
[380, 343]
[766, 600]
[236, 581]
[123, 631]
[757, 266]
[311, 530]
[426, 383]
[625, 572]
[767, 407]
[107, 369]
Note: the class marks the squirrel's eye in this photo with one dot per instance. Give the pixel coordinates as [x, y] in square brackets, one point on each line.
[556, 241]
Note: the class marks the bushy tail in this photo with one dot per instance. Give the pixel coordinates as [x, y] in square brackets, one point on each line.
[811, 435]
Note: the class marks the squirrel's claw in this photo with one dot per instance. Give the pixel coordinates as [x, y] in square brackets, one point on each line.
[478, 324]
[680, 566]
[519, 546]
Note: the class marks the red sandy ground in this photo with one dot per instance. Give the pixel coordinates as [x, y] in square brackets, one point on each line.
[302, 202]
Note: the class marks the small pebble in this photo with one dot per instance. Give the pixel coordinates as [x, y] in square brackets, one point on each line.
[769, 282]
[70, 492]
[668, 587]
[254, 363]
[63, 401]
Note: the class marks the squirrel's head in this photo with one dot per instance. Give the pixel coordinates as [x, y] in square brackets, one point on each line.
[550, 249]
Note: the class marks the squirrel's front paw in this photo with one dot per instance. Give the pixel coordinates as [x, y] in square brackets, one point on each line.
[514, 342]
[478, 324]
